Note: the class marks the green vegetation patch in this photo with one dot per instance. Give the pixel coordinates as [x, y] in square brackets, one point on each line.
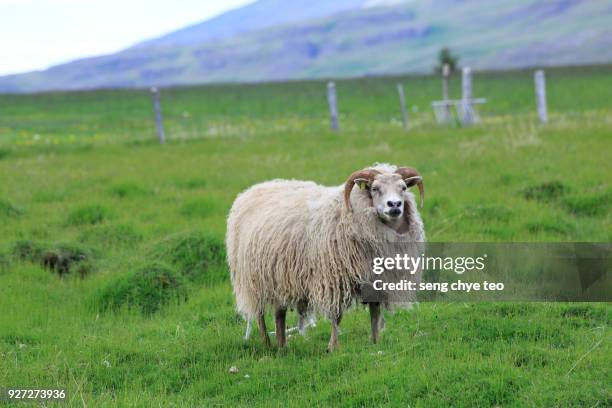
[199, 207]
[8, 210]
[590, 204]
[88, 214]
[4, 261]
[199, 256]
[147, 289]
[68, 258]
[111, 236]
[548, 191]
[26, 250]
[128, 190]
[550, 224]
[191, 183]
[62, 258]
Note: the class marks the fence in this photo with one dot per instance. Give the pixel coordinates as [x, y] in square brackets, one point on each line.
[245, 110]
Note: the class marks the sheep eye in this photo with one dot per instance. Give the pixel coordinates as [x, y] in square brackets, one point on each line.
[404, 188]
[375, 189]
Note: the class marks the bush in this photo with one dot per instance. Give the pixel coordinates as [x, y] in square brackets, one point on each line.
[199, 256]
[122, 235]
[148, 289]
[88, 214]
[548, 191]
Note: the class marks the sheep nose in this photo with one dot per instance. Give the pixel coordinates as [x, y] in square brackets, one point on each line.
[392, 204]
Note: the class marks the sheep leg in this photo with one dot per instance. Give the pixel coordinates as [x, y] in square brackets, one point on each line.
[333, 340]
[249, 328]
[302, 309]
[375, 319]
[261, 323]
[281, 338]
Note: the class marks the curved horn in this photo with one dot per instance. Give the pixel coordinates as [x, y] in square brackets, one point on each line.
[368, 174]
[416, 178]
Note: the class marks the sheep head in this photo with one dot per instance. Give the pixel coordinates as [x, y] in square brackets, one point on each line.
[386, 190]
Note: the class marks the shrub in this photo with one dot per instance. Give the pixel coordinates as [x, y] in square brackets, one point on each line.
[147, 289]
[88, 214]
[199, 256]
[121, 235]
[200, 208]
[548, 191]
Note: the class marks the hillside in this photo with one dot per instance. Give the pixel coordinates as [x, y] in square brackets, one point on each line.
[351, 38]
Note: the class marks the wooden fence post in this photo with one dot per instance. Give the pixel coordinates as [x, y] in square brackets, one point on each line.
[466, 96]
[540, 89]
[445, 78]
[400, 91]
[333, 105]
[159, 121]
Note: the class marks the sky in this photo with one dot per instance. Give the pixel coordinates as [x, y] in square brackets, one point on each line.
[36, 34]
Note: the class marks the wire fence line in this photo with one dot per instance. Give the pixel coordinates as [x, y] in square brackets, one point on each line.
[249, 109]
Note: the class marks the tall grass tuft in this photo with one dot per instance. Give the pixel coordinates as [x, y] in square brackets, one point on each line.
[88, 214]
[147, 289]
[199, 256]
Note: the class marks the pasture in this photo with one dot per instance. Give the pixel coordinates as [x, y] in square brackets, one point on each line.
[144, 314]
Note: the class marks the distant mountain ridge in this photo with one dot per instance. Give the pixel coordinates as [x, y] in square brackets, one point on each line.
[319, 38]
[254, 16]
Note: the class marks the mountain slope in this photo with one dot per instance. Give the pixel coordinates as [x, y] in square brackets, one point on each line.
[258, 15]
[360, 41]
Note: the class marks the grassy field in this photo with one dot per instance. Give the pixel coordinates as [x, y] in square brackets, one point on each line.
[152, 321]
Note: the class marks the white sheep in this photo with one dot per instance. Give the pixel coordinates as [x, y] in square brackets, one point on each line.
[297, 244]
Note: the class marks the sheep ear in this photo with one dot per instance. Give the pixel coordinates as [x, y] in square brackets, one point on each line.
[362, 183]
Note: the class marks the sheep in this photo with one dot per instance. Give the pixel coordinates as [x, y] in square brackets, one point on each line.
[297, 244]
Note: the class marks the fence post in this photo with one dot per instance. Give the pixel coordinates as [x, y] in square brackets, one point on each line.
[466, 96]
[540, 88]
[445, 78]
[333, 105]
[159, 121]
[400, 91]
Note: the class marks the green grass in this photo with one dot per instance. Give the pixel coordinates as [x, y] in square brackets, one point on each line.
[153, 322]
